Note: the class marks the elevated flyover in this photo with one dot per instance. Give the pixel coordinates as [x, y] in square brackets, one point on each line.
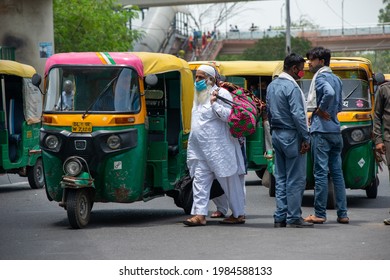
[365, 38]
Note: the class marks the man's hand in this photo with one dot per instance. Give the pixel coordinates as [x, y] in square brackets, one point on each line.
[213, 96]
[380, 148]
[322, 114]
[305, 147]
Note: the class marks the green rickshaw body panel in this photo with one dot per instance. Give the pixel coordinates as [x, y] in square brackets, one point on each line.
[359, 166]
[29, 141]
[118, 177]
[255, 149]
[53, 175]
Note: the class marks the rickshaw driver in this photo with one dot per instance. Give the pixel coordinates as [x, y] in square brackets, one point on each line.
[65, 102]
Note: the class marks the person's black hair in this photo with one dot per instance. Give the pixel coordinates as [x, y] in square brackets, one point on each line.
[320, 53]
[291, 60]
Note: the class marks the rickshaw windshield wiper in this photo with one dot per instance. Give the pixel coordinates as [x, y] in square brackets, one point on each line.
[352, 91]
[97, 98]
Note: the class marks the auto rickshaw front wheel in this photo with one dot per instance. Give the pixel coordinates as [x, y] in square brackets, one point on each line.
[78, 207]
[35, 175]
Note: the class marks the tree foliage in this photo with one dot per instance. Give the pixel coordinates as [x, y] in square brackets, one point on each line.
[384, 14]
[380, 60]
[275, 48]
[88, 25]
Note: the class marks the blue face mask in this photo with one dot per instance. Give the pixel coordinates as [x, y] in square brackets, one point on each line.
[200, 85]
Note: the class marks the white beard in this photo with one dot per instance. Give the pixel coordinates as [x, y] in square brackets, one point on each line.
[203, 96]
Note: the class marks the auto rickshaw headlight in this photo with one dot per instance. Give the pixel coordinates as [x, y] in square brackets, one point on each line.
[73, 167]
[357, 135]
[114, 142]
[52, 142]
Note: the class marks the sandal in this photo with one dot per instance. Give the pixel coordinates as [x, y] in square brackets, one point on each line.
[217, 214]
[233, 221]
[197, 220]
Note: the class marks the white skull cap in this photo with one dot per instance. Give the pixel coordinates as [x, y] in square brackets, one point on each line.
[207, 69]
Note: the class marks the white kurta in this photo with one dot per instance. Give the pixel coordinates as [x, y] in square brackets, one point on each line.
[210, 139]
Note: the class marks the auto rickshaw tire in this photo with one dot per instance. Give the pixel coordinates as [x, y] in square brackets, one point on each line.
[331, 201]
[372, 189]
[78, 207]
[35, 175]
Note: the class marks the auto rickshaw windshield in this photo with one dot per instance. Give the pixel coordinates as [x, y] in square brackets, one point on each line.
[93, 89]
[356, 93]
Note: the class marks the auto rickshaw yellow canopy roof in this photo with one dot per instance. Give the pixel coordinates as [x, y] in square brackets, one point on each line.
[10, 67]
[350, 60]
[350, 63]
[157, 63]
[243, 67]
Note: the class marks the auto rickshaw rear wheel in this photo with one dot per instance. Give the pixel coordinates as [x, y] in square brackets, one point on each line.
[78, 207]
[35, 175]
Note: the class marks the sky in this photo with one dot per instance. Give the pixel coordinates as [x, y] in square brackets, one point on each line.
[325, 13]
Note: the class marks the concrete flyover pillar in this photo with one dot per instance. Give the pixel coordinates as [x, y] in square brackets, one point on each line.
[28, 27]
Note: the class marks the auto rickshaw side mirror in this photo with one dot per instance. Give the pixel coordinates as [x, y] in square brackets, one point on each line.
[151, 80]
[36, 80]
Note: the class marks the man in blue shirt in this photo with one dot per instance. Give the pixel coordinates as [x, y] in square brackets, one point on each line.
[325, 98]
[290, 140]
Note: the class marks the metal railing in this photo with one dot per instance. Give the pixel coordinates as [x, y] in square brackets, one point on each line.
[379, 29]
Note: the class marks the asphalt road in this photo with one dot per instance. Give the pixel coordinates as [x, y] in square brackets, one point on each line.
[33, 228]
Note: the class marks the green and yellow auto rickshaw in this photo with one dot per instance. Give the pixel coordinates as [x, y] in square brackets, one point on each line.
[121, 136]
[360, 168]
[20, 121]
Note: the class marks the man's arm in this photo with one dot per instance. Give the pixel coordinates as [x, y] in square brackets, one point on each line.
[322, 85]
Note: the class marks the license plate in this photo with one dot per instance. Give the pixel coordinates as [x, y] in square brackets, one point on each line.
[81, 127]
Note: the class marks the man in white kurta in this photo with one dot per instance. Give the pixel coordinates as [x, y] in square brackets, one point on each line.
[213, 153]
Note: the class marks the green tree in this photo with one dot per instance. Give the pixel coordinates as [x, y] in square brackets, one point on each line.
[88, 25]
[384, 14]
[275, 48]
